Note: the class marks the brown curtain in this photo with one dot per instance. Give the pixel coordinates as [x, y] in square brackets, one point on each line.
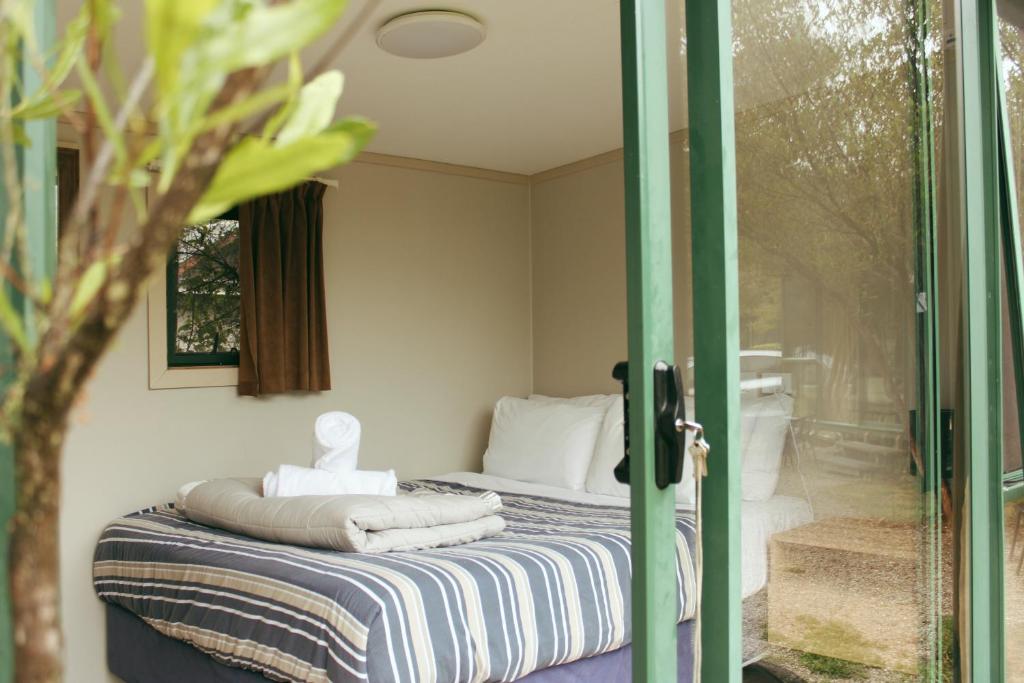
[281, 276]
[67, 185]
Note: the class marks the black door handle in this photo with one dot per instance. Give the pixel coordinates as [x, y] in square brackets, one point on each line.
[669, 422]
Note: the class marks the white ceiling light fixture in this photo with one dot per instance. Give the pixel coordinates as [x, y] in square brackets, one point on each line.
[430, 34]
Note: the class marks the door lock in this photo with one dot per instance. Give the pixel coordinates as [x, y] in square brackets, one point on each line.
[670, 424]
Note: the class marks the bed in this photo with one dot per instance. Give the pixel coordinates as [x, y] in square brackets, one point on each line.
[545, 601]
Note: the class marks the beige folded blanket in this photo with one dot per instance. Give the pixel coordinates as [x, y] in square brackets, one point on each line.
[353, 523]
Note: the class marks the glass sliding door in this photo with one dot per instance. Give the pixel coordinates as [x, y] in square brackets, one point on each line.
[1011, 39]
[845, 569]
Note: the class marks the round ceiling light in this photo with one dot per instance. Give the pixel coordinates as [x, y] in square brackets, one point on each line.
[430, 34]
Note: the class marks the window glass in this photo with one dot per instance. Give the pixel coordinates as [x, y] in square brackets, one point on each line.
[203, 294]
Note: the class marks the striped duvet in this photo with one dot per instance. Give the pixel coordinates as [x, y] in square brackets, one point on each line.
[552, 588]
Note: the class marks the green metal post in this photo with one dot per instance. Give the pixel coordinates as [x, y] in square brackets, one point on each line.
[37, 163]
[982, 421]
[927, 328]
[649, 294]
[716, 326]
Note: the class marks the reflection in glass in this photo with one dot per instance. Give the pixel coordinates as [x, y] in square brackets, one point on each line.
[1012, 44]
[828, 176]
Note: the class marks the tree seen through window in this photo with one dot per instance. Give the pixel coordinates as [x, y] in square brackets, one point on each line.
[203, 294]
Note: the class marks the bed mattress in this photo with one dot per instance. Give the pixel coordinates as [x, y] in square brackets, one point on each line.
[552, 588]
[760, 520]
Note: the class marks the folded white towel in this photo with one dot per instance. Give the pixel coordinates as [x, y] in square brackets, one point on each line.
[291, 480]
[336, 442]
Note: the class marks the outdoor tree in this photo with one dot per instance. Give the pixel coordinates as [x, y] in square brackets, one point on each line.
[207, 294]
[207, 122]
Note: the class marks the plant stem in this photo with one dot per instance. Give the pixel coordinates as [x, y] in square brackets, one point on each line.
[35, 576]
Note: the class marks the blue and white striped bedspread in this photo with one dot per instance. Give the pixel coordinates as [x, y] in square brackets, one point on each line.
[552, 588]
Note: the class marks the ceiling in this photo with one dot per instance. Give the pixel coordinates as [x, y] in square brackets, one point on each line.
[544, 88]
[541, 91]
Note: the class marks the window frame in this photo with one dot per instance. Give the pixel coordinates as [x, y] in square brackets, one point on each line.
[162, 375]
[178, 359]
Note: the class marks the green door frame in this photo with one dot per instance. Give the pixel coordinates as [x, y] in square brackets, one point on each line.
[650, 326]
[650, 322]
[37, 164]
[716, 326]
[982, 344]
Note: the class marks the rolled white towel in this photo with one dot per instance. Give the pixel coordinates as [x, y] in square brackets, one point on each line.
[291, 480]
[336, 442]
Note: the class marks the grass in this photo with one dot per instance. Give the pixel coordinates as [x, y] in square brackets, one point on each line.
[838, 637]
[831, 667]
[948, 658]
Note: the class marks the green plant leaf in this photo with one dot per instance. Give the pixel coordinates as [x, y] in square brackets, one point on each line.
[256, 167]
[172, 28]
[11, 322]
[266, 34]
[315, 108]
[69, 49]
[275, 122]
[103, 117]
[46, 106]
[246, 108]
[90, 284]
[45, 101]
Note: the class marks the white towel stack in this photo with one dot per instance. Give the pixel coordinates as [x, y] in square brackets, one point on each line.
[292, 480]
[335, 456]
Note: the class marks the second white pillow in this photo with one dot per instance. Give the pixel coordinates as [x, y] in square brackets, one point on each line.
[541, 442]
[601, 477]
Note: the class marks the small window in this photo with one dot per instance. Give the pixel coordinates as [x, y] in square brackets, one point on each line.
[203, 301]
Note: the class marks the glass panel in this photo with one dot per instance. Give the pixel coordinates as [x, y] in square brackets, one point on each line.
[206, 297]
[1012, 43]
[836, 578]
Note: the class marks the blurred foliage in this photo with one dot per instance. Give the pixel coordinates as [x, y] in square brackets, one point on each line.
[282, 131]
[202, 125]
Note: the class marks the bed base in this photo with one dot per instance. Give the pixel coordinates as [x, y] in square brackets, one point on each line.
[137, 653]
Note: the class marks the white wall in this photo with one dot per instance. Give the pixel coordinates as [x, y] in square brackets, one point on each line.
[579, 274]
[428, 289]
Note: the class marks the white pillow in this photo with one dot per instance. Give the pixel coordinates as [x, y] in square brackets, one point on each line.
[592, 400]
[609, 449]
[542, 442]
[764, 422]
